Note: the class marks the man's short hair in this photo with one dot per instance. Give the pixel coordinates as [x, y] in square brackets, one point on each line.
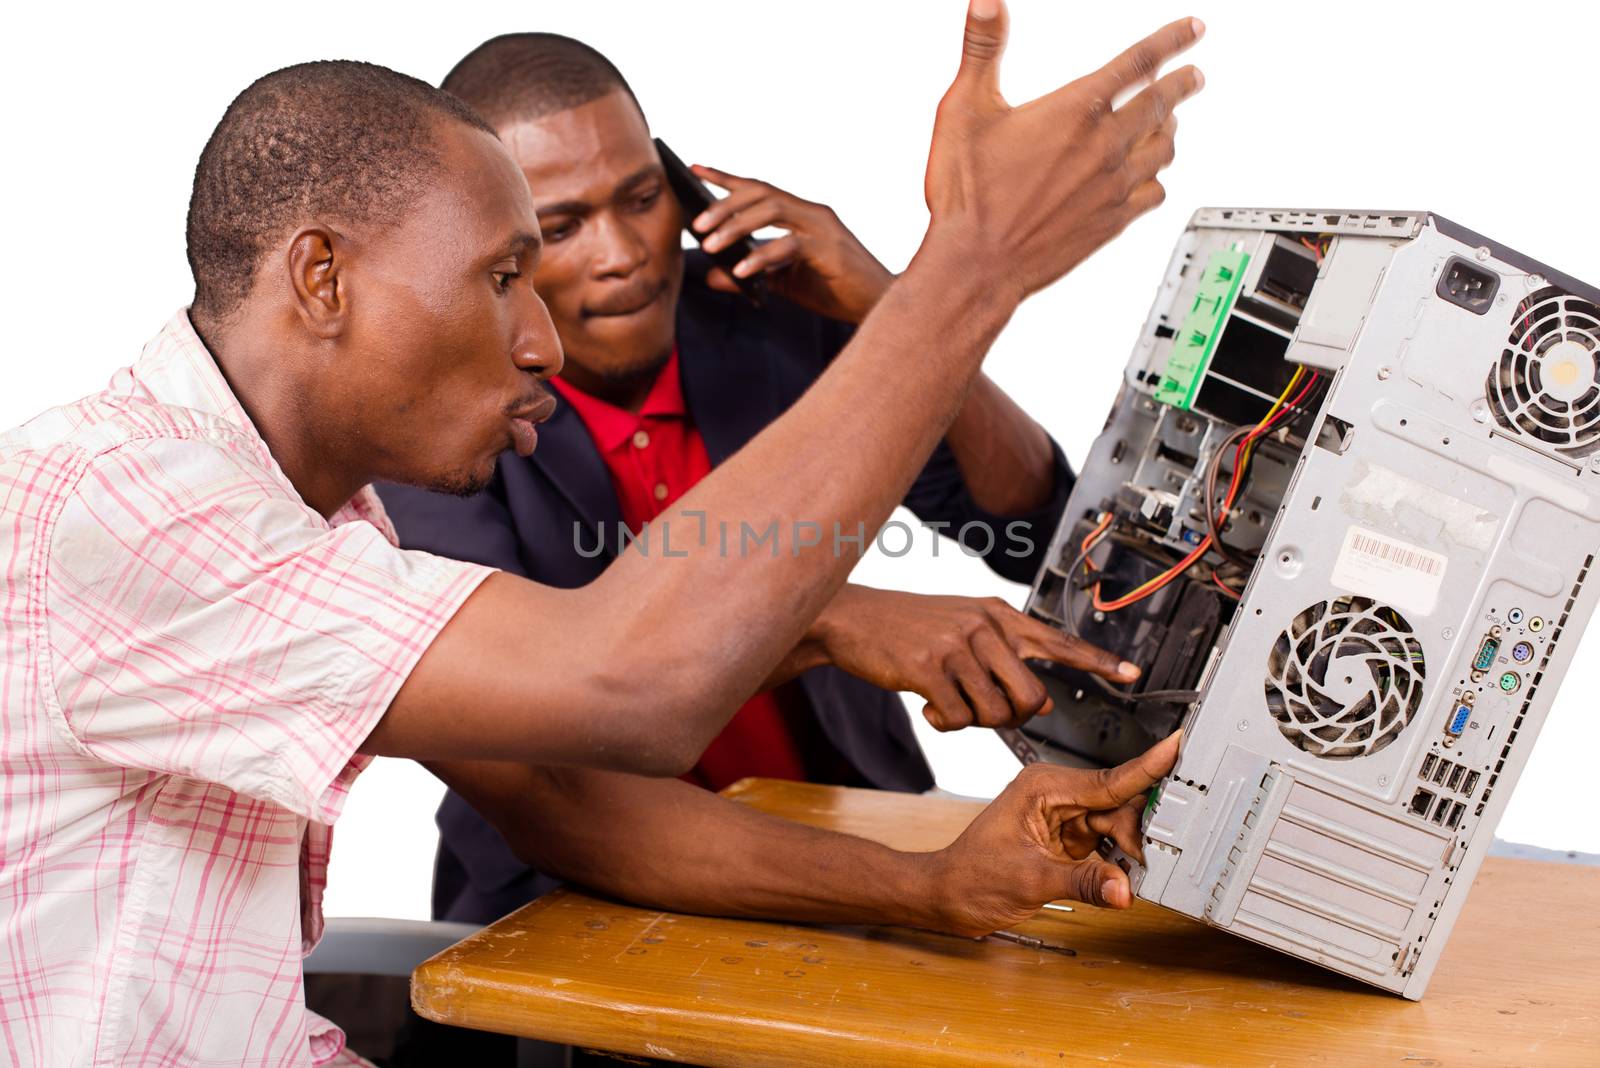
[531, 75]
[335, 140]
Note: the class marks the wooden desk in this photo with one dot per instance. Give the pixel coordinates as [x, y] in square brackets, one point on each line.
[1519, 983]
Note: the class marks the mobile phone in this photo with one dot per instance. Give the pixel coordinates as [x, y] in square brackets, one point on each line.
[694, 197]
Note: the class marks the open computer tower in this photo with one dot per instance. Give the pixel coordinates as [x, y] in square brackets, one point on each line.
[1341, 515]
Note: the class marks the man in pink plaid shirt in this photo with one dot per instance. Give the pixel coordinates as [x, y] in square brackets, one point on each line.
[208, 628]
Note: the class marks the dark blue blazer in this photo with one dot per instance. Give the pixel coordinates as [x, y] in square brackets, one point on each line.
[741, 368]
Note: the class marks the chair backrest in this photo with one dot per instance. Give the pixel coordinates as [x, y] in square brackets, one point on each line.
[378, 946]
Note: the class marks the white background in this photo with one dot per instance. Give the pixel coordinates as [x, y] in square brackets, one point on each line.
[1484, 113]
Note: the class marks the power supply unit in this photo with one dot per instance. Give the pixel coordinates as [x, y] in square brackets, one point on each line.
[1341, 514]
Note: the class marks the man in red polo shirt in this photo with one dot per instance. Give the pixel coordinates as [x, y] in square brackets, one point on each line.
[669, 370]
[654, 456]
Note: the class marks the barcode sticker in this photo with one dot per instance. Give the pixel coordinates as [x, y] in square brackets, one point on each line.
[1390, 570]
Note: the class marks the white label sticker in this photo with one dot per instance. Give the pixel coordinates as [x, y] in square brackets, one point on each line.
[1390, 570]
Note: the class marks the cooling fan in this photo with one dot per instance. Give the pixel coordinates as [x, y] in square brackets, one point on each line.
[1345, 678]
[1546, 384]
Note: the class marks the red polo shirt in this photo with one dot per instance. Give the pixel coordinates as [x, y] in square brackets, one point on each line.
[654, 458]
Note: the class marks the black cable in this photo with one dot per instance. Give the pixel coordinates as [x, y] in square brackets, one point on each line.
[1164, 697]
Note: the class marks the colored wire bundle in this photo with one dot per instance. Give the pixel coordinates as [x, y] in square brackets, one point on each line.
[1319, 247]
[1241, 455]
[1216, 580]
[1217, 517]
[1243, 440]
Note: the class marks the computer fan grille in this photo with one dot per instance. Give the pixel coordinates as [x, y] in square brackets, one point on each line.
[1546, 384]
[1345, 677]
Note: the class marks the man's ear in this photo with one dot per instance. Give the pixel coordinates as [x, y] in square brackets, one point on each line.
[317, 281]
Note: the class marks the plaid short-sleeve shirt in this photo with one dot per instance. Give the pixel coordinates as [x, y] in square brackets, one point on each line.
[189, 658]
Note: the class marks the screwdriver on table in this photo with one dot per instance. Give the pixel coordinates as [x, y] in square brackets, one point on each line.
[1037, 943]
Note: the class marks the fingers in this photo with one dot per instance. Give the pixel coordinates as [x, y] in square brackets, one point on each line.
[1138, 171]
[974, 671]
[737, 199]
[1036, 640]
[1145, 198]
[1141, 62]
[1024, 695]
[1096, 882]
[743, 221]
[1155, 105]
[1153, 152]
[989, 706]
[721, 281]
[1121, 825]
[726, 179]
[985, 40]
[1116, 786]
[1149, 158]
[947, 709]
[769, 256]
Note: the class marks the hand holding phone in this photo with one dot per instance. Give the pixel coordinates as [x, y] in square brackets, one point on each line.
[695, 197]
[816, 262]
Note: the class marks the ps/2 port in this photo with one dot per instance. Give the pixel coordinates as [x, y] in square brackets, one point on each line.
[1510, 681]
[1522, 652]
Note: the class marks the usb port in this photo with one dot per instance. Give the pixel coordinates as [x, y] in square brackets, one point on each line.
[1458, 722]
[1486, 654]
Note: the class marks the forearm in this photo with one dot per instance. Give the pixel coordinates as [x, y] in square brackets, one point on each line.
[1004, 456]
[641, 669]
[835, 464]
[813, 649]
[665, 844]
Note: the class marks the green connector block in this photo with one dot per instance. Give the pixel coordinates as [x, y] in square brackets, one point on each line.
[1196, 338]
[1151, 800]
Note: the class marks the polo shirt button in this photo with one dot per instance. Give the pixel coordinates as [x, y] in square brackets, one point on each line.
[661, 491]
[640, 439]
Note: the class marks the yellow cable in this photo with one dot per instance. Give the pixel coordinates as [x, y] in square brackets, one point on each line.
[1287, 390]
[1133, 594]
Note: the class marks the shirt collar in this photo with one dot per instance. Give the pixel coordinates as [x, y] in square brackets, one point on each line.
[177, 369]
[611, 426]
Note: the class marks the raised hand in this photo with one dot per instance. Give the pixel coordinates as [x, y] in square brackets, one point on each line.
[1036, 843]
[1026, 193]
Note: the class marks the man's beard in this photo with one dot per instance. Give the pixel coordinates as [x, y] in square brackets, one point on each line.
[644, 370]
[461, 483]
